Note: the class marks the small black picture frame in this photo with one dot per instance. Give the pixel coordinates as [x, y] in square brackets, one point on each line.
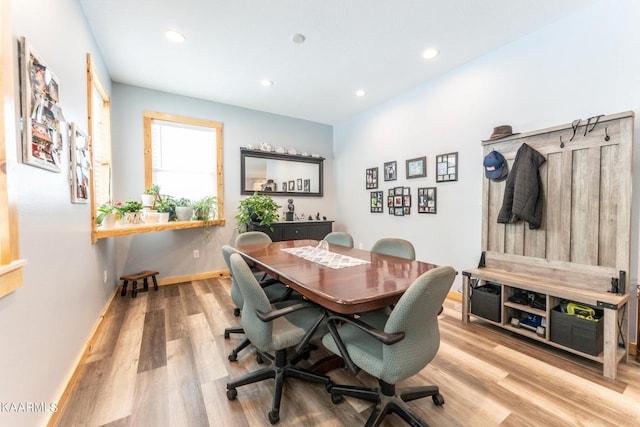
[427, 200]
[299, 182]
[391, 171]
[372, 178]
[292, 185]
[447, 167]
[307, 185]
[417, 168]
[376, 201]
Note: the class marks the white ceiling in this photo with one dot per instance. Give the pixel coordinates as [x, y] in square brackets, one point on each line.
[375, 45]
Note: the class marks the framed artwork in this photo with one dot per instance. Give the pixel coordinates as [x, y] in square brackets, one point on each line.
[284, 186]
[390, 171]
[447, 167]
[417, 168]
[427, 202]
[42, 117]
[372, 178]
[299, 181]
[307, 185]
[292, 186]
[399, 203]
[376, 201]
[80, 164]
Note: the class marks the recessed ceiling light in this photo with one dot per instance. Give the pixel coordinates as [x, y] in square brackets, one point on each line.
[361, 92]
[174, 36]
[266, 82]
[430, 53]
[298, 38]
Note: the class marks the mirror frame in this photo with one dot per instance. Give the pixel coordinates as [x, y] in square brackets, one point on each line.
[244, 153]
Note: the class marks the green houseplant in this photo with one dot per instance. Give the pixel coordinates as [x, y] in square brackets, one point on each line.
[150, 196]
[166, 204]
[257, 209]
[206, 208]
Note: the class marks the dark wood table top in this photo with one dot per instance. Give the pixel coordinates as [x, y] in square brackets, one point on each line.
[347, 290]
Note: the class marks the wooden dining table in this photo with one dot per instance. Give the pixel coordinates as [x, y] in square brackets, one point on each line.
[378, 282]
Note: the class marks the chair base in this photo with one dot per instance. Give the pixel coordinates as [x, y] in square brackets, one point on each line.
[279, 369]
[388, 400]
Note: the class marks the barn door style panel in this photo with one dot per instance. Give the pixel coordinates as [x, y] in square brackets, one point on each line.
[586, 184]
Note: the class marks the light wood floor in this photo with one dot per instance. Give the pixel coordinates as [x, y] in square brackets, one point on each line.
[161, 360]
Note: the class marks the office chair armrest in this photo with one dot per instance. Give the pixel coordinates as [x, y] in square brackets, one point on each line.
[381, 336]
[274, 314]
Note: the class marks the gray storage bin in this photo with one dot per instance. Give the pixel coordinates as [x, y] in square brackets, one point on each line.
[486, 301]
[577, 333]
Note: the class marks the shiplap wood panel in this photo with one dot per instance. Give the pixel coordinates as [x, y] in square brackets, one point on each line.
[587, 197]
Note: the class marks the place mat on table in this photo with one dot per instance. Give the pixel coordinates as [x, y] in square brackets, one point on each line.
[326, 258]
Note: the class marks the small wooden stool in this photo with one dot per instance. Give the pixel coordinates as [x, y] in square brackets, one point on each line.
[134, 282]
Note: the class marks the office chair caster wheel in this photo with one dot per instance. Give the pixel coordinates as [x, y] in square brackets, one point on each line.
[232, 393]
[233, 356]
[274, 416]
[236, 312]
[438, 399]
[226, 335]
[336, 398]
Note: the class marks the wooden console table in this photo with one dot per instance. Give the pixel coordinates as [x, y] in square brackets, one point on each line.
[296, 230]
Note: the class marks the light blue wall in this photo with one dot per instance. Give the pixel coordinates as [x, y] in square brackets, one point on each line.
[45, 324]
[578, 67]
[171, 252]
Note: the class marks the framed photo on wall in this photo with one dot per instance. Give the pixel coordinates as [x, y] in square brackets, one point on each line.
[417, 168]
[390, 171]
[427, 202]
[447, 167]
[80, 164]
[372, 178]
[377, 201]
[42, 118]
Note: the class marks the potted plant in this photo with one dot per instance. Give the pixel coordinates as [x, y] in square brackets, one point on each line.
[150, 196]
[184, 210]
[257, 209]
[206, 208]
[107, 215]
[166, 206]
[129, 211]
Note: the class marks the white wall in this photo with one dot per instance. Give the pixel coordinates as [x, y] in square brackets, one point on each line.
[171, 252]
[45, 324]
[578, 67]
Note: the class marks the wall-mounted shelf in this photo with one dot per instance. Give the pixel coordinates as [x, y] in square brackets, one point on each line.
[125, 230]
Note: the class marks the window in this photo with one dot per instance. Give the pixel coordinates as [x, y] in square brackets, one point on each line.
[183, 156]
[99, 109]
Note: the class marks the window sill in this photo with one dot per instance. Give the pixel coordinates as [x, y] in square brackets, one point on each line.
[11, 276]
[125, 230]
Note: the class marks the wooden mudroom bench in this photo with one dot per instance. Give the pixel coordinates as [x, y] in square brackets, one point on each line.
[554, 283]
[563, 281]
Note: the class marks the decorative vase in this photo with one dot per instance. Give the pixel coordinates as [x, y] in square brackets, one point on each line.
[129, 218]
[184, 213]
[109, 221]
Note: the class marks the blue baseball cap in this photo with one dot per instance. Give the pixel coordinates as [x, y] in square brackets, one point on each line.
[495, 166]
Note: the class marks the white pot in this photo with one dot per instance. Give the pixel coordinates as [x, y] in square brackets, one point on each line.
[163, 217]
[148, 200]
[131, 218]
[109, 221]
[183, 213]
[150, 217]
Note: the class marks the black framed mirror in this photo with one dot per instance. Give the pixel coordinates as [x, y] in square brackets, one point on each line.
[267, 172]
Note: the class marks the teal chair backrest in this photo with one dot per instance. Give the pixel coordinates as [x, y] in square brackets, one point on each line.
[339, 238]
[416, 314]
[236, 295]
[395, 247]
[252, 238]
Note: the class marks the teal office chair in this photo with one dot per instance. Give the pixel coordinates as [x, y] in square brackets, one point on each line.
[393, 347]
[252, 238]
[395, 247]
[275, 330]
[339, 238]
[275, 291]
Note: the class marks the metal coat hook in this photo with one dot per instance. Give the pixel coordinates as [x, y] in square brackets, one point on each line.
[606, 134]
[561, 142]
